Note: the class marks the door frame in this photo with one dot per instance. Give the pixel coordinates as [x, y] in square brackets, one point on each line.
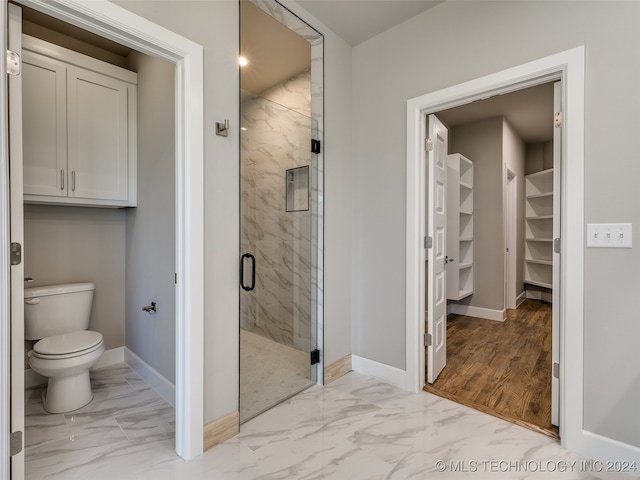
[510, 226]
[5, 280]
[116, 23]
[569, 67]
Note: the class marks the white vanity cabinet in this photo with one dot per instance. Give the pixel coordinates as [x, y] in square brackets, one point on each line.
[79, 128]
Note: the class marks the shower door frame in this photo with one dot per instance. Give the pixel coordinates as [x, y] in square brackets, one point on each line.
[316, 40]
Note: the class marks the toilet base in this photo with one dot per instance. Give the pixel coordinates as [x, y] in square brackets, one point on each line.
[57, 398]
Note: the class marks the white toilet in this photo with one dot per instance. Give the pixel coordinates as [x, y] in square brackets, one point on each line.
[58, 316]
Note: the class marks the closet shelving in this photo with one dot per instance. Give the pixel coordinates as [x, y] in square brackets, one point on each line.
[539, 229]
[459, 227]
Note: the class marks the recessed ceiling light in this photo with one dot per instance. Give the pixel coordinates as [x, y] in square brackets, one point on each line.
[243, 61]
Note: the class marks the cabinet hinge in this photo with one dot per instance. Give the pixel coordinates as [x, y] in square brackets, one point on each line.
[556, 370]
[428, 145]
[558, 120]
[315, 356]
[16, 253]
[13, 63]
[428, 242]
[315, 146]
[15, 443]
[427, 340]
[556, 245]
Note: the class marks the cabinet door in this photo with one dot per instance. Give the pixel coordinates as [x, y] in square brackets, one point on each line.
[44, 100]
[97, 135]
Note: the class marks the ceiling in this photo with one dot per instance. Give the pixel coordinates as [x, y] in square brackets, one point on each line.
[529, 111]
[358, 20]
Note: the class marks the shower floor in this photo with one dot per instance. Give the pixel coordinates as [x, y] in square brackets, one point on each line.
[269, 373]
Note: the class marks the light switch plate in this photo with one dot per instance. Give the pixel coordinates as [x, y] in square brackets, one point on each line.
[609, 235]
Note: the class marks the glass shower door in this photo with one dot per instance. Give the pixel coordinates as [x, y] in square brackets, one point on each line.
[277, 269]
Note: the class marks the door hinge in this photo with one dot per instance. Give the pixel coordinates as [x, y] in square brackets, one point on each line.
[15, 443]
[558, 120]
[13, 63]
[428, 242]
[428, 145]
[16, 253]
[315, 146]
[315, 356]
[556, 245]
[427, 340]
[556, 370]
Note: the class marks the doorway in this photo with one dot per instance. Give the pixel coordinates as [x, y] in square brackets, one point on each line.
[550, 68]
[499, 358]
[280, 208]
[187, 59]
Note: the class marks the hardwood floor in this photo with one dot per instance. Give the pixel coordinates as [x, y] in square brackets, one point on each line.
[502, 368]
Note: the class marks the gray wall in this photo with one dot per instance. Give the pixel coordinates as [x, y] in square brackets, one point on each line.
[514, 156]
[481, 142]
[215, 26]
[459, 41]
[539, 156]
[150, 228]
[65, 244]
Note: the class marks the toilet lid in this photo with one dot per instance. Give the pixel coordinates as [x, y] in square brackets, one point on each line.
[68, 343]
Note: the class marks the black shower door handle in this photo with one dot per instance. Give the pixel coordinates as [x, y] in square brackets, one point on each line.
[248, 288]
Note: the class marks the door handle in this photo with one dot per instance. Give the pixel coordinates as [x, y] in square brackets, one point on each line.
[248, 288]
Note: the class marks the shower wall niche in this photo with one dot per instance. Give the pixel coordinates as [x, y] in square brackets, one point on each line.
[276, 157]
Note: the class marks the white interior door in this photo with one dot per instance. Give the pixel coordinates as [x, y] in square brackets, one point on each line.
[436, 271]
[17, 237]
[555, 312]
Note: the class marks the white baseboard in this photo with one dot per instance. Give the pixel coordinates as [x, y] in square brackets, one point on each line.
[389, 374]
[521, 298]
[110, 357]
[154, 379]
[478, 312]
[607, 451]
[540, 295]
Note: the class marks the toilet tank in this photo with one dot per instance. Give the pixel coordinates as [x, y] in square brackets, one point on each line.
[57, 309]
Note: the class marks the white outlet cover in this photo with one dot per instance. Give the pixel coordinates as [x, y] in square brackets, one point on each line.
[609, 235]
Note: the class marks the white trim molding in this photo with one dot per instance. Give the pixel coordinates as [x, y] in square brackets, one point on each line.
[568, 66]
[389, 374]
[521, 298]
[151, 376]
[478, 312]
[110, 357]
[118, 24]
[5, 280]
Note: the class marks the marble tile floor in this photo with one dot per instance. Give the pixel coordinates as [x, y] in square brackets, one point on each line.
[269, 373]
[125, 415]
[355, 428]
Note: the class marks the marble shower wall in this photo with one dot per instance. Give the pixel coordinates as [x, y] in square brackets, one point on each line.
[276, 138]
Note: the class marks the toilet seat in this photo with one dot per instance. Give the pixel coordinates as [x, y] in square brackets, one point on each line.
[68, 345]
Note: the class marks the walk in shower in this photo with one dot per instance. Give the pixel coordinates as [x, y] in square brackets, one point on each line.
[280, 213]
